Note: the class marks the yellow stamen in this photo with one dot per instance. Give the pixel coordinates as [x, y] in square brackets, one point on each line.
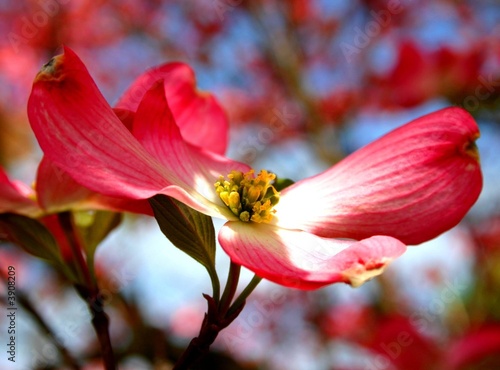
[249, 197]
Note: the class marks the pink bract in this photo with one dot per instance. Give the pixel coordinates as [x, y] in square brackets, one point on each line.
[343, 225]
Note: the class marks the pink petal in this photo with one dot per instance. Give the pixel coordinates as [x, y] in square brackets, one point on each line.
[126, 116]
[80, 133]
[16, 197]
[305, 261]
[199, 116]
[58, 192]
[413, 184]
[413, 349]
[155, 128]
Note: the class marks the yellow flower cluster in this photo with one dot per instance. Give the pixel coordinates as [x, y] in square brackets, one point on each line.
[249, 197]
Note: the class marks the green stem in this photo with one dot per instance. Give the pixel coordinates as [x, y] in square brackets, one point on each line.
[215, 284]
[230, 289]
[238, 302]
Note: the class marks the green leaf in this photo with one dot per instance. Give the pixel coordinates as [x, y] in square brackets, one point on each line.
[93, 227]
[31, 235]
[280, 184]
[189, 230]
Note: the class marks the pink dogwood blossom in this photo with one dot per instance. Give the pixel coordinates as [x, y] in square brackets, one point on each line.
[344, 225]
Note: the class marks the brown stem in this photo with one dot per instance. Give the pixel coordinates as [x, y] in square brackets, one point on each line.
[90, 293]
[100, 322]
[65, 220]
[198, 347]
[216, 319]
[213, 323]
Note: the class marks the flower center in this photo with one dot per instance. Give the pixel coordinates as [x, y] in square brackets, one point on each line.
[249, 197]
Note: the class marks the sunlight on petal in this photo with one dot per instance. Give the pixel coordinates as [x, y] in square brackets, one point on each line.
[305, 261]
[399, 185]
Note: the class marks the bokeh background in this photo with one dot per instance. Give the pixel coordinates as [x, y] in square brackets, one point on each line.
[304, 83]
